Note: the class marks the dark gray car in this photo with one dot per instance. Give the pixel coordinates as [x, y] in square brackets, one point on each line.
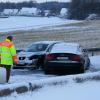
[65, 58]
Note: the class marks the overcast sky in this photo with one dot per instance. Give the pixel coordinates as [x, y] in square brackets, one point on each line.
[33, 0]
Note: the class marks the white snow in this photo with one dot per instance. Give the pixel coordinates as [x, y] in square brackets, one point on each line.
[38, 1]
[25, 23]
[95, 62]
[85, 91]
[66, 48]
[70, 90]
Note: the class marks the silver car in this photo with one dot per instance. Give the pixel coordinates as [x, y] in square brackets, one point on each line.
[34, 54]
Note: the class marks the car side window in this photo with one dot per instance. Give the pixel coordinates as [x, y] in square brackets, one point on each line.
[42, 47]
[37, 47]
[50, 47]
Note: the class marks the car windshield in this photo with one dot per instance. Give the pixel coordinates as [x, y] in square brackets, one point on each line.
[37, 47]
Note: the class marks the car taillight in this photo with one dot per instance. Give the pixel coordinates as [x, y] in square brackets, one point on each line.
[75, 58]
[50, 56]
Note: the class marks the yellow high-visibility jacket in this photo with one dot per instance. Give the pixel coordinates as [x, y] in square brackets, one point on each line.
[7, 52]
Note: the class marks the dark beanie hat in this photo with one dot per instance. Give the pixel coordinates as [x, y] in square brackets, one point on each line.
[10, 37]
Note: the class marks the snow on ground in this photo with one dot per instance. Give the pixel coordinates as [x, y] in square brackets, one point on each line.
[19, 76]
[95, 62]
[85, 91]
[28, 76]
[72, 91]
[23, 75]
[25, 23]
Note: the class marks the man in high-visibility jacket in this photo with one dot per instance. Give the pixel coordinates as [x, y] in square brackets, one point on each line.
[8, 55]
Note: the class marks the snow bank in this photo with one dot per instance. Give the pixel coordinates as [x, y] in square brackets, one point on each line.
[95, 62]
[85, 91]
[8, 89]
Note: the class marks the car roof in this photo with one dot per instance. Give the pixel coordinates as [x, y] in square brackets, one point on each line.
[66, 48]
[45, 42]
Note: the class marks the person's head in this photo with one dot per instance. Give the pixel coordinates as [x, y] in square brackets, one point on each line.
[10, 38]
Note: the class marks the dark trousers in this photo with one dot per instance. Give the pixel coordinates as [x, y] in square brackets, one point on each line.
[8, 69]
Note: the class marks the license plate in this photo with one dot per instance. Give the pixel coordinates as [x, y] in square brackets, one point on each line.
[21, 62]
[62, 58]
[28, 61]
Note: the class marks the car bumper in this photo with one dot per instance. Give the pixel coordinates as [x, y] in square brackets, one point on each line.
[27, 62]
[63, 67]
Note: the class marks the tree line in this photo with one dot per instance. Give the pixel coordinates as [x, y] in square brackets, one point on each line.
[81, 10]
[9, 5]
[54, 6]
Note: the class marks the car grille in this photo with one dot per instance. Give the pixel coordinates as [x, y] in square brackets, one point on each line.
[21, 58]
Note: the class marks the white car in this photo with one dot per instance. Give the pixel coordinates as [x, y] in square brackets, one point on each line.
[34, 54]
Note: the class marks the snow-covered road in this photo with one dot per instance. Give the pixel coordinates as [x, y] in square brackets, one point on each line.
[26, 75]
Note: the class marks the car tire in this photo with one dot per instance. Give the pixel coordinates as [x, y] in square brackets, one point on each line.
[87, 65]
[40, 64]
[82, 70]
[46, 72]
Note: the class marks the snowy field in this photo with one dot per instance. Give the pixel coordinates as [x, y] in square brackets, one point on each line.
[53, 28]
[25, 23]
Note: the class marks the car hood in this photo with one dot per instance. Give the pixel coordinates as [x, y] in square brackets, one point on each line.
[28, 54]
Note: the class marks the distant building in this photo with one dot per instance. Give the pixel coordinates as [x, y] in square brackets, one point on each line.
[28, 11]
[63, 12]
[10, 12]
[47, 12]
[15, 11]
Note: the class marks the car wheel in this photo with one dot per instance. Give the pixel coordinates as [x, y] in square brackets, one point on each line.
[35, 67]
[87, 65]
[82, 70]
[42, 66]
[46, 72]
